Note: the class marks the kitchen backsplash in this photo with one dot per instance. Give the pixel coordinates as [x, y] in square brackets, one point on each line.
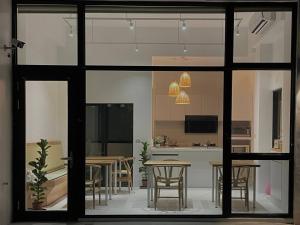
[174, 130]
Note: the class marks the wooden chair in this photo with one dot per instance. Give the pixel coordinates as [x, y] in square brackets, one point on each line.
[126, 173]
[239, 182]
[168, 178]
[93, 180]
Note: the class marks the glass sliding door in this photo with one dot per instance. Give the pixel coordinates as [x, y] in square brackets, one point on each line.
[262, 121]
[46, 163]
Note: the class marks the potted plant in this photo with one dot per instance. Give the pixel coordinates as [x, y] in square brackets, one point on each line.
[144, 158]
[36, 184]
[158, 141]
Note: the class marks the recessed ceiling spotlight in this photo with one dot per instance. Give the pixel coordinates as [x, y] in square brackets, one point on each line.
[183, 27]
[131, 25]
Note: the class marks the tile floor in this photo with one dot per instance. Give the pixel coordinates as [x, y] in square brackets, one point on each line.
[199, 202]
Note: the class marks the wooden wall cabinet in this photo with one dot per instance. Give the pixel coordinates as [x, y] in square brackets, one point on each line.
[242, 95]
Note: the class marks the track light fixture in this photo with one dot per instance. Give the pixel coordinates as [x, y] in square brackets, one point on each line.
[71, 34]
[237, 33]
[131, 25]
[183, 27]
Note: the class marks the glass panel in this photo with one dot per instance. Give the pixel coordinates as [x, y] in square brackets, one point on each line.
[262, 36]
[47, 119]
[178, 38]
[261, 111]
[50, 34]
[192, 132]
[260, 186]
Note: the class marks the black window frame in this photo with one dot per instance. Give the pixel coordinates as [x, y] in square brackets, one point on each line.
[81, 68]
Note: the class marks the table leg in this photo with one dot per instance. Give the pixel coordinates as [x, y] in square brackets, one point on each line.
[120, 173]
[254, 186]
[185, 187]
[213, 184]
[115, 180]
[216, 188]
[148, 186]
[110, 181]
[91, 172]
[151, 184]
[106, 184]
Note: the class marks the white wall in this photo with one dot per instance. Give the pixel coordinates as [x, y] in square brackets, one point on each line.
[266, 82]
[47, 112]
[5, 115]
[125, 87]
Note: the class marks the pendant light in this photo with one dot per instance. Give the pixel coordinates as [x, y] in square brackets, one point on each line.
[185, 80]
[182, 98]
[174, 89]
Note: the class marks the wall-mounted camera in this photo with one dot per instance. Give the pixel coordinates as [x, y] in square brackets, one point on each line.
[17, 43]
[14, 45]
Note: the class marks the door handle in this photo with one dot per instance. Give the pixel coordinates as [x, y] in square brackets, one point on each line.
[67, 158]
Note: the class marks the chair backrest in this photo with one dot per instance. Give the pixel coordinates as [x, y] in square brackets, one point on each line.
[93, 172]
[240, 174]
[128, 163]
[167, 174]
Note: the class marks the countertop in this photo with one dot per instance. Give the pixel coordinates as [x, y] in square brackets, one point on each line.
[185, 149]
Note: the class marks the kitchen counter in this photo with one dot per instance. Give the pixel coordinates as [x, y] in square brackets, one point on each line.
[200, 172]
[185, 149]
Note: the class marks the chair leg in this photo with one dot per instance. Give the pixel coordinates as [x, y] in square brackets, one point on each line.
[182, 199]
[179, 197]
[99, 194]
[94, 202]
[155, 197]
[247, 196]
[217, 197]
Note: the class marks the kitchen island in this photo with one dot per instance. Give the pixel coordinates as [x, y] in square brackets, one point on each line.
[200, 173]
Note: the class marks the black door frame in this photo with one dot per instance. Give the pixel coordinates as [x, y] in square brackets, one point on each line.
[71, 75]
[44, 72]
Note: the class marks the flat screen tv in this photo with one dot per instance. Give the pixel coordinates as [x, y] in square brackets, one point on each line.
[201, 124]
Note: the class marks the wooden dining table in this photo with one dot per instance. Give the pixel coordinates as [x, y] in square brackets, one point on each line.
[117, 164]
[235, 163]
[108, 173]
[151, 163]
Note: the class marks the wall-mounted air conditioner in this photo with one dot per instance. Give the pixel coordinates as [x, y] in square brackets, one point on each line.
[261, 21]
